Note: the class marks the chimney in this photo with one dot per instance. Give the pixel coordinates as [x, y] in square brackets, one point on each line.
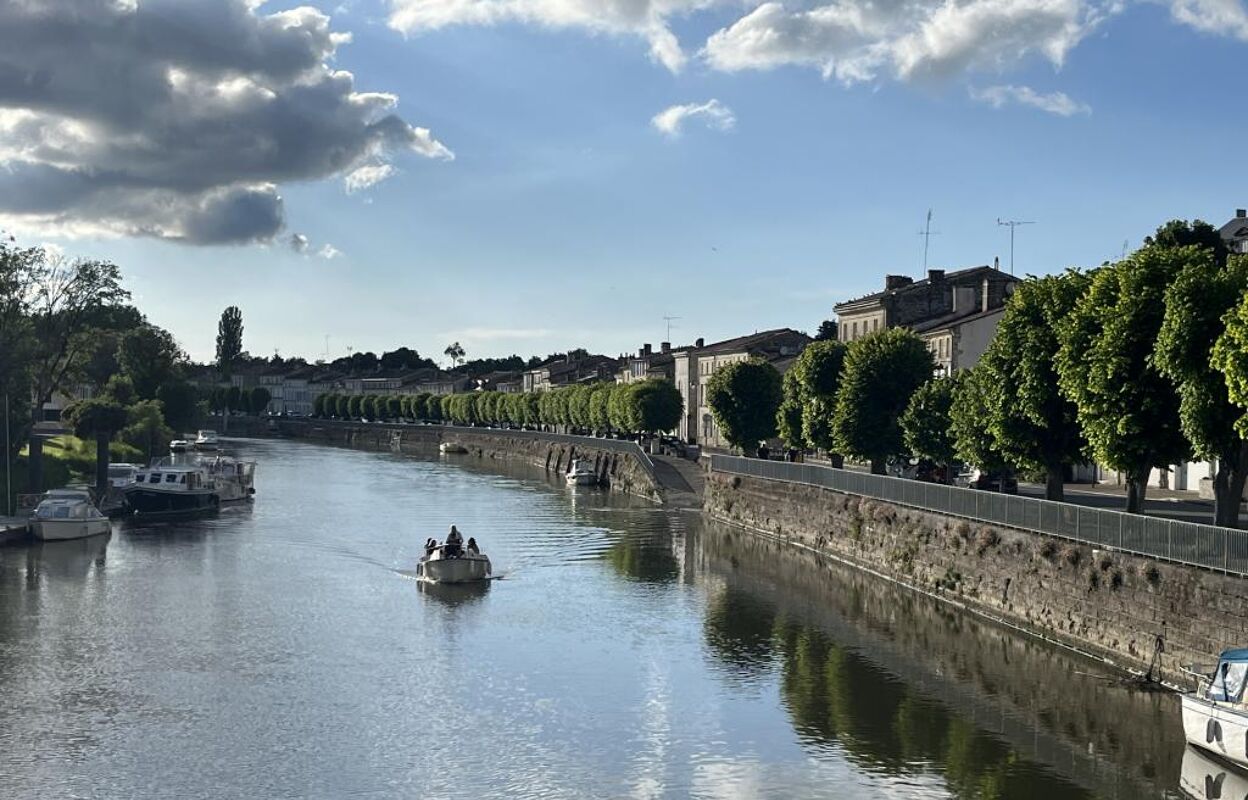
[892, 282]
[996, 263]
[1241, 213]
[935, 275]
[984, 304]
[665, 347]
[700, 342]
[645, 349]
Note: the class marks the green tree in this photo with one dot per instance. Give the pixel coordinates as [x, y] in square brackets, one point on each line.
[229, 349]
[455, 352]
[179, 405]
[63, 299]
[926, 422]
[1197, 302]
[233, 399]
[598, 409]
[827, 331]
[818, 369]
[880, 373]
[146, 428]
[744, 397]
[1128, 410]
[658, 404]
[151, 357]
[789, 414]
[1199, 234]
[433, 408]
[445, 402]
[101, 418]
[1033, 424]
[342, 406]
[258, 399]
[319, 405]
[355, 406]
[621, 411]
[974, 441]
[394, 407]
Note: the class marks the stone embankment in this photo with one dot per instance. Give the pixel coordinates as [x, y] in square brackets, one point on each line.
[1104, 603]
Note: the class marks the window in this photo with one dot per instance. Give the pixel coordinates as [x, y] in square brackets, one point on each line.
[875, 324]
[155, 478]
[1228, 682]
[171, 478]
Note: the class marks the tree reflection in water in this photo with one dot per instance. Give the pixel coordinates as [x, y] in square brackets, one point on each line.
[642, 558]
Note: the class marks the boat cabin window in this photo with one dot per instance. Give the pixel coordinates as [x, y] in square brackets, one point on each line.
[1228, 682]
[155, 478]
[171, 478]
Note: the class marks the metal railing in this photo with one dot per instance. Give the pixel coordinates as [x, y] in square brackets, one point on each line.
[1208, 546]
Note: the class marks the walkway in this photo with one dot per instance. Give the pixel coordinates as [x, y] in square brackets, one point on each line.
[682, 480]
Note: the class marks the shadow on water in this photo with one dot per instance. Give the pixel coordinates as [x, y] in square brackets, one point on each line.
[904, 685]
[454, 595]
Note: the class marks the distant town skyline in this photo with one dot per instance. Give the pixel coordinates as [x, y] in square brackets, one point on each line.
[532, 177]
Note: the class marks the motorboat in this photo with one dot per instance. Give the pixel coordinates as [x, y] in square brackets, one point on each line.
[234, 479]
[173, 489]
[1215, 716]
[120, 477]
[68, 514]
[179, 446]
[464, 567]
[581, 473]
[207, 440]
[1204, 777]
[452, 447]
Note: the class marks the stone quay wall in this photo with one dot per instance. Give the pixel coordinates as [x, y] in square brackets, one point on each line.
[1103, 603]
[618, 467]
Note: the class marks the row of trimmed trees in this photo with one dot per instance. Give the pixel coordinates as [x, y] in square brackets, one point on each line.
[232, 398]
[1138, 364]
[642, 407]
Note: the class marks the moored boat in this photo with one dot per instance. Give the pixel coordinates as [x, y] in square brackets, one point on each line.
[234, 479]
[581, 473]
[465, 567]
[68, 514]
[207, 440]
[179, 446]
[1215, 717]
[173, 489]
[452, 447]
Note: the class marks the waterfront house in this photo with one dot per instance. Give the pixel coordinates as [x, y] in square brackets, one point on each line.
[1235, 232]
[568, 370]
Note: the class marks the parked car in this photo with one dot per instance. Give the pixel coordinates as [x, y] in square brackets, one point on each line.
[994, 481]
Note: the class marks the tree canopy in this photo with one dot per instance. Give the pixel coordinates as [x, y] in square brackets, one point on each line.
[229, 339]
[926, 423]
[744, 397]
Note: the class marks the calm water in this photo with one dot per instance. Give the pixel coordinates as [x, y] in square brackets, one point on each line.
[629, 651]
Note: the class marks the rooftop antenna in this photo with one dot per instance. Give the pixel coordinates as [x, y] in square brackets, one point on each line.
[325, 355]
[668, 320]
[927, 233]
[1012, 224]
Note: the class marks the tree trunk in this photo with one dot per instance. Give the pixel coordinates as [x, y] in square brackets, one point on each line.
[838, 460]
[1055, 482]
[1228, 487]
[1137, 487]
[101, 464]
[877, 466]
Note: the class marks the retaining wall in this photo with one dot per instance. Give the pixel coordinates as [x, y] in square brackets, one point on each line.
[1105, 603]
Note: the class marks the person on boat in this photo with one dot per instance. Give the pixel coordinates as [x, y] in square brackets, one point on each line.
[472, 547]
[431, 544]
[454, 545]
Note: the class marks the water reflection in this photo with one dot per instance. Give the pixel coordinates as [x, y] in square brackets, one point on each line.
[1206, 778]
[453, 595]
[905, 687]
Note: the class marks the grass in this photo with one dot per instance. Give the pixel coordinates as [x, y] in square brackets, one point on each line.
[66, 459]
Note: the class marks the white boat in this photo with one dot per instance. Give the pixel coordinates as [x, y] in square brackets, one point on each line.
[234, 479]
[179, 446]
[1215, 717]
[207, 440]
[452, 447]
[463, 568]
[581, 473]
[1206, 778]
[173, 489]
[120, 477]
[68, 514]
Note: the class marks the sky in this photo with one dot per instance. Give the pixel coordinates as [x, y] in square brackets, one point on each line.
[529, 176]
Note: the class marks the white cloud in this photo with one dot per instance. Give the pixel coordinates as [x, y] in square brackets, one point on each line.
[298, 242]
[647, 19]
[1054, 103]
[1225, 17]
[670, 121]
[907, 39]
[367, 175]
[328, 252]
[181, 119]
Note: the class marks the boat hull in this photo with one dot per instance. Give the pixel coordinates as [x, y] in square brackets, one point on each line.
[467, 569]
[1216, 728]
[582, 479]
[149, 501]
[59, 530]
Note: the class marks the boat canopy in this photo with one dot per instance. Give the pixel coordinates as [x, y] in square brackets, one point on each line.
[1227, 685]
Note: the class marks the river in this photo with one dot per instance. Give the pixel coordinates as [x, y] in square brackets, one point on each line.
[627, 651]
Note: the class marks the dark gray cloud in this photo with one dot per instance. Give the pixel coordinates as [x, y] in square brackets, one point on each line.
[178, 118]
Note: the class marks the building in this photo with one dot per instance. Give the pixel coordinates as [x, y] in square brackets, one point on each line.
[693, 366]
[1235, 232]
[505, 382]
[646, 364]
[958, 341]
[568, 371]
[907, 303]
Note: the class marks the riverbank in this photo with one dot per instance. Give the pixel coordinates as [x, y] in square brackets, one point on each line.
[1107, 604]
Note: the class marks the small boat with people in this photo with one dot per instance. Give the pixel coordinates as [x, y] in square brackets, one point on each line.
[68, 514]
[1215, 716]
[207, 440]
[453, 561]
[581, 473]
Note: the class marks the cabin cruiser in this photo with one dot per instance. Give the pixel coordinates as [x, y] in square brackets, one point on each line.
[207, 440]
[452, 447]
[172, 489]
[235, 479]
[120, 476]
[1215, 716]
[68, 514]
[581, 473]
[179, 446]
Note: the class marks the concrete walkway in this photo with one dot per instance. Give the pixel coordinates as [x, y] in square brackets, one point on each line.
[682, 480]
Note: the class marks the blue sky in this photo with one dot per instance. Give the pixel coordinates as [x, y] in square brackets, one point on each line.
[566, 218]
